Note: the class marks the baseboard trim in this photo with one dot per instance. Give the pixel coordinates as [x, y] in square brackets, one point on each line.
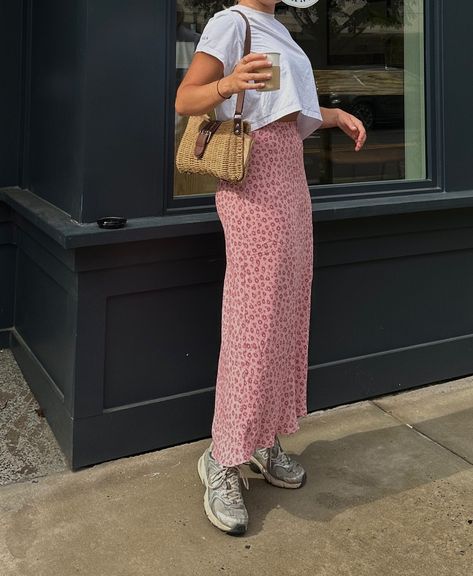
[391, 371]
[185, 418]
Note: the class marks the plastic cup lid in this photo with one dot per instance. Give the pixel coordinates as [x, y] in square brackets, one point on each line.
[300, 3]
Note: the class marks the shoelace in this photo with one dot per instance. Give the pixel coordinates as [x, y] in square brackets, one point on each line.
[282, 459]
[231, 477]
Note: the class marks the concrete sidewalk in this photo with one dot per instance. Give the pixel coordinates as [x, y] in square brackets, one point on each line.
[389, 493]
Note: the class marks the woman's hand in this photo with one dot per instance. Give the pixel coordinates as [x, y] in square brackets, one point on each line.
[204, 85]
[351, 125]
[244, 75]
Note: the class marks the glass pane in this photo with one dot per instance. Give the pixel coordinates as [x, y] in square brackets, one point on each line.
[368, 58]
[191, 19]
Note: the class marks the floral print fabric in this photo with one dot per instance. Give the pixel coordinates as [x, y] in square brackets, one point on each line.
[262, 373]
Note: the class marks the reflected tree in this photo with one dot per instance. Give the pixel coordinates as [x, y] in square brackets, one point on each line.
[353, 16]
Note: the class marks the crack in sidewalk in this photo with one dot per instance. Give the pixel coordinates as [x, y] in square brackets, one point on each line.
[417, 431]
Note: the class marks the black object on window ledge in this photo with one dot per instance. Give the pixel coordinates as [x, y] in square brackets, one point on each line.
[112, 222]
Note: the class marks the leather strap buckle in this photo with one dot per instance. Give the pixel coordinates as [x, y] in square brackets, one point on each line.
[207, 135]
[204, 137]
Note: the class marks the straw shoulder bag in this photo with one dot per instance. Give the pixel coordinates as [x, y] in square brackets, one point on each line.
[218, 148]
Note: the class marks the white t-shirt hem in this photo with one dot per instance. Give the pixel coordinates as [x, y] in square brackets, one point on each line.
[268, 119]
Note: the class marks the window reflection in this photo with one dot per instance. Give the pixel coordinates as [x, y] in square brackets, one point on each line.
[368, 58]
[190, 21]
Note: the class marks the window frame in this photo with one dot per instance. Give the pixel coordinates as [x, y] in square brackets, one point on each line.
[325, 194]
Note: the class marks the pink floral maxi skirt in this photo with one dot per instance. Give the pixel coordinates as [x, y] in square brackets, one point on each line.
[262, 372]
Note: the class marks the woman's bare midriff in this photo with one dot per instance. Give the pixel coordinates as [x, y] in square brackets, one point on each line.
[289, 118]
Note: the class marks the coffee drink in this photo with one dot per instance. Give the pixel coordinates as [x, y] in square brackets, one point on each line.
[274, 83]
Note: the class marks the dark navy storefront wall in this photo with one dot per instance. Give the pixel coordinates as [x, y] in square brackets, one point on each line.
[117, 332]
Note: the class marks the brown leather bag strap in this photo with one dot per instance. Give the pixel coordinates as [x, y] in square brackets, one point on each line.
[237, 118]
[204, 137]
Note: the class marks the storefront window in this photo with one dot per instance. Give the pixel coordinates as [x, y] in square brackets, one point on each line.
[368, 58]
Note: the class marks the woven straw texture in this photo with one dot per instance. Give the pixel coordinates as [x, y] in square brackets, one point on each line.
[225, 156]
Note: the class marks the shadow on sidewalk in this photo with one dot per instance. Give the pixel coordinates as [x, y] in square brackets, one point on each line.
[359, 469]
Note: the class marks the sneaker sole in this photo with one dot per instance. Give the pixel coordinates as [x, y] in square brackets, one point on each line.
[258, 468]
[236, 530]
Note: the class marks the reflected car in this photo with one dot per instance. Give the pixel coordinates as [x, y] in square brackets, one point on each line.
[375, 95]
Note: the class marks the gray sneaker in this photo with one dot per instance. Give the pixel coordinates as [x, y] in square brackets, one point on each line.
[223, 502]
[277, 467]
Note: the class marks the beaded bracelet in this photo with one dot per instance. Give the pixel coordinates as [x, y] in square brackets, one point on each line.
[221, 95]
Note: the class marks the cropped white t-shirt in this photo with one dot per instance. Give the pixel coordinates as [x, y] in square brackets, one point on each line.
[223, 37]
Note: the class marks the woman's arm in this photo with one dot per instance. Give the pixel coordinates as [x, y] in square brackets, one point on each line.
[198, 93]
[351, 125]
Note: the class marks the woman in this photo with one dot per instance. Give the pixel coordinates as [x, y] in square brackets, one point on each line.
[267, 221]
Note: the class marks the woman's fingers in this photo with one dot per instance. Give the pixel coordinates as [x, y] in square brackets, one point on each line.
[251, 85]
[359, 134]
[257, 77]
[354, 128]
[254, 56]
[250, 73]
[253, 62]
